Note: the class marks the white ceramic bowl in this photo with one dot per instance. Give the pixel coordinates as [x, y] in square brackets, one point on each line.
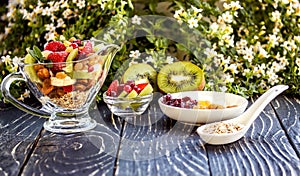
[198, 116]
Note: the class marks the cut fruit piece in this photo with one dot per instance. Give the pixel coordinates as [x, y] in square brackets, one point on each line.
[29, 70]
[69, 66]
[140, 71]
[180, 76]
[132, 94]
[83, 75]
[142, 85]
[112, 87]
[147, 90]
[122, 94]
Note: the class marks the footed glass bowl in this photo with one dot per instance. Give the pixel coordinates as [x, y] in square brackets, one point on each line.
[127, 107]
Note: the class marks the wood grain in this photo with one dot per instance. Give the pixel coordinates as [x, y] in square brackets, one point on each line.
[150, 144]
[160, 146]
[18, 134]
[89, 153]
[288, 110]
[265, 150]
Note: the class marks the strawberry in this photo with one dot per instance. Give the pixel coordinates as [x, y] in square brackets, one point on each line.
[55, 46]
[87, 48]
[56, 57]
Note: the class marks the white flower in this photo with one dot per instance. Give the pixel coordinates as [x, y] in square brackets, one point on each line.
[67, 13]
[136, 20]
[298, 62]
[6, 59]
[214, 27]
[235, 5]
[297, 38]
[275, 16]
[283, 61]
[60, 22]
[229, 79]
[46, 11]
[196, 10]
[226, 6]
[263, 53]
[135, 54]
[169, 60]
[246, 71]
[50, 27]
[149, 59]
[49, 36]
[227, 17]
[81, 4]
[210, 53]
[233, 68]
[223, 89]
[273, 40]
[248, 54]
[276, 67]
[16, 61]
[273, 78]
[193, 23]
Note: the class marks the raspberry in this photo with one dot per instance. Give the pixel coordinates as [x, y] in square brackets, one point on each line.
[55, 46]
[87, 48]
[55, 57]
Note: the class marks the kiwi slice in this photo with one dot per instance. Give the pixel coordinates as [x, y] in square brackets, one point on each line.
[29, 70]
[140, 71]
[180, 76]
[72, 55]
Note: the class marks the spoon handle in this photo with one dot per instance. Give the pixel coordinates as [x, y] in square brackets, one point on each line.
[259, 105]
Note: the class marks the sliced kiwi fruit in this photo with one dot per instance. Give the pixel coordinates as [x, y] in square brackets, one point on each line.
[180, 76]
[70, 58]
[29, 70]
[140, 71]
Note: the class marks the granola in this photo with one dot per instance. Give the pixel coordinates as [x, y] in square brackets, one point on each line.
[223, 128]
[71, 100]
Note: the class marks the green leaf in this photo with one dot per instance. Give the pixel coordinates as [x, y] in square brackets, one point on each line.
[36, 54]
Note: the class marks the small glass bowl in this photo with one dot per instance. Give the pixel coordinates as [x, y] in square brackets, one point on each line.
[127, 107]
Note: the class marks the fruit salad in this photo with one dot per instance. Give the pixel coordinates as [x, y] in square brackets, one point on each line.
[129, 89]
[128, 98]
[64, 71]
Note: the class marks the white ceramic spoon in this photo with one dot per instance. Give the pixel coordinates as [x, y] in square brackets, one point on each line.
[245, 119]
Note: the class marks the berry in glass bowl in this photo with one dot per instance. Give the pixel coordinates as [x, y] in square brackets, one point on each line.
[128, 99]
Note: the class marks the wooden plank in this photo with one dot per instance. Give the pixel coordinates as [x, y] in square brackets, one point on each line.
[265, 150]
[18, 134]
[153, 144]
[288, 110]
[89, 153]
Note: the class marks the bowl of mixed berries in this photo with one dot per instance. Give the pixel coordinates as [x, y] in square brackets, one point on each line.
[130, 98]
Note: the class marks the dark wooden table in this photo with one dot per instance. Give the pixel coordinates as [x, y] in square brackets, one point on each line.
[151, 144]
